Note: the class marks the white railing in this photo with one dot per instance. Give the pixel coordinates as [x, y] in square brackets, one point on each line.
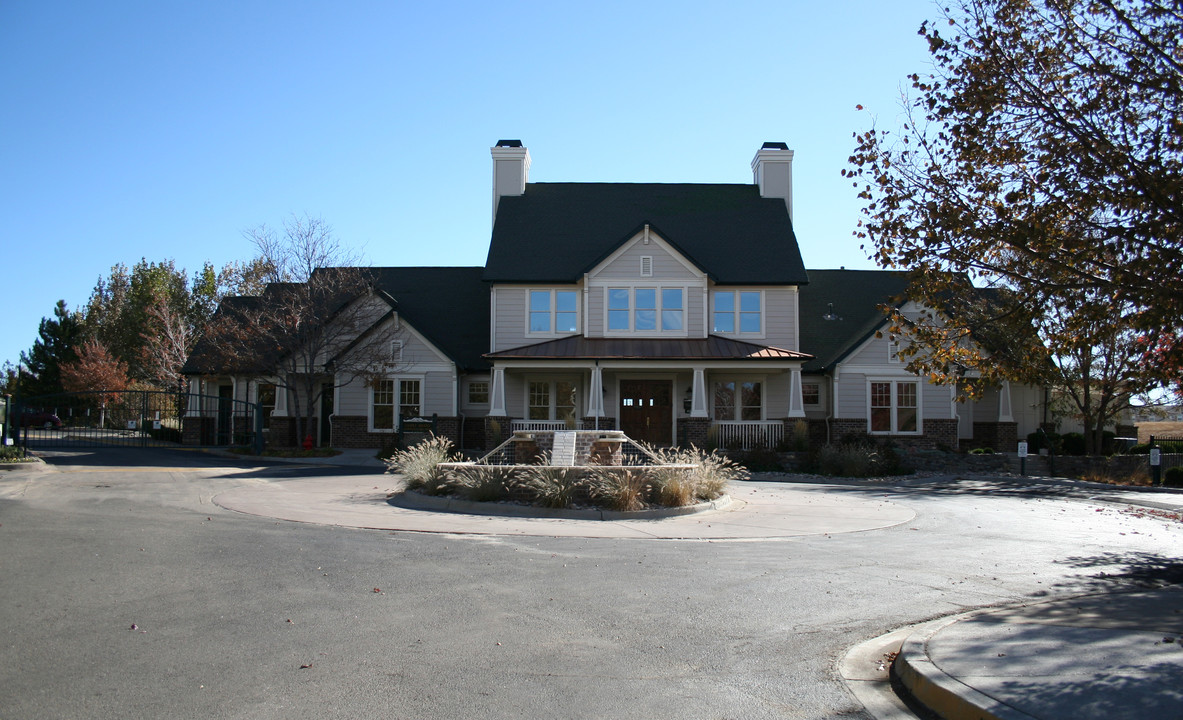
[747, 434]
[532, 425]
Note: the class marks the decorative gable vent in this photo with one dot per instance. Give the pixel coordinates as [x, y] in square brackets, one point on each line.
[646, 266]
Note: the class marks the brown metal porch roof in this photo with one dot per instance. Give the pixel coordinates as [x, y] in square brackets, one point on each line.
[712, 347]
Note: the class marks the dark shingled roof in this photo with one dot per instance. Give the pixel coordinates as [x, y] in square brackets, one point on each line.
[712, 347]
[555, 232]
[447, 305]
[855, 315]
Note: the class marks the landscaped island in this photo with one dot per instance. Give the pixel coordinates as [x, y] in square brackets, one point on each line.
[603, 469]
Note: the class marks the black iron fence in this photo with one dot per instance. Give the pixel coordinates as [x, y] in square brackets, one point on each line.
[1169, 455]
[132, 418]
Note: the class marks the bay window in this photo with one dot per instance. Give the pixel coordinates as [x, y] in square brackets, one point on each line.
[647, 310]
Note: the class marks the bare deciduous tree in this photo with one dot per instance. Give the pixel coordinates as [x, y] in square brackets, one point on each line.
[318, 325]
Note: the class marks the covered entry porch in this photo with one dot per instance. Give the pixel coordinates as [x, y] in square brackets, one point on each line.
[710, 392]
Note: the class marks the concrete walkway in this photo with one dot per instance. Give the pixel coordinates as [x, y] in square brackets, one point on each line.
[1117, 656]
[757, 511]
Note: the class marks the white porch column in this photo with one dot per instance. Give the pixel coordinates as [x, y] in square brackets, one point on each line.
[497, 392]
[194, 406]
[796, 400]
[281, 402]
[1004, 411]
[698, 401]
[595, 400]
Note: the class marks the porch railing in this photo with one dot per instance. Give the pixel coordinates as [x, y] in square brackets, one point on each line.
[747, 434]
[533, 425]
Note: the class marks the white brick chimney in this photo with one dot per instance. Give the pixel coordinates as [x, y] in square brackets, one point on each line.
[772, 171]
[511, 170]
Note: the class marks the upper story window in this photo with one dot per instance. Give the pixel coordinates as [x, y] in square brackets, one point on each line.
[554, 311]
[737, 311]
[647, 310]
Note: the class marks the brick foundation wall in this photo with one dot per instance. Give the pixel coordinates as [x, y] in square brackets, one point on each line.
[352, 431]
[474, 434]
[694, 431]
[497, 430]
[448, 427]
[589, 423]
[283, 432]
[197, 430]
[1002, 437]
[936, 434]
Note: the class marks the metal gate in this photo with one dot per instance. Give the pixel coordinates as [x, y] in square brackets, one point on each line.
[135, 419]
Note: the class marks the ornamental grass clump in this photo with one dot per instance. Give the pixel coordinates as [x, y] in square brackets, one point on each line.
[623, 490]
[419, 465]
[482, 483]
[714, 472]
[708, 480]
[553, 487]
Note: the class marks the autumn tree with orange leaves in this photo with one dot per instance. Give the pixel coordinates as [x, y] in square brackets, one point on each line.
[99, 372]
[1041, 156]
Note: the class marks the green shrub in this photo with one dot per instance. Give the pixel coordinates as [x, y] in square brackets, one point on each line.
[13, 453]
[858, 456]
[1173, 477]
[419, 465]
[843, 460]
[1040, 440]
[982, 451]
[759, 459]
[1073, 443]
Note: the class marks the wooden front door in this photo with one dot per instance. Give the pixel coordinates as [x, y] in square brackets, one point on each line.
[647, 410]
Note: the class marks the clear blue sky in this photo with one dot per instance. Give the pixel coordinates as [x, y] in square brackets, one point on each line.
[165, 129]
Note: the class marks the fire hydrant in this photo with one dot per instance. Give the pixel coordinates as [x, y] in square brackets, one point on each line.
[308, 442]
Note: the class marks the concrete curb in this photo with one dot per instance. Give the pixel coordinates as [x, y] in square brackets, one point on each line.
[417, 501]
[940, 692]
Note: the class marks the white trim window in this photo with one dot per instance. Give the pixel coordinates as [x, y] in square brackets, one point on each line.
[647, 310]
[392, 398]
[811, 394]
[552, 311]
[738, 311]
[893, 407]
[478, 392]
[552, 400]
[736, 399]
